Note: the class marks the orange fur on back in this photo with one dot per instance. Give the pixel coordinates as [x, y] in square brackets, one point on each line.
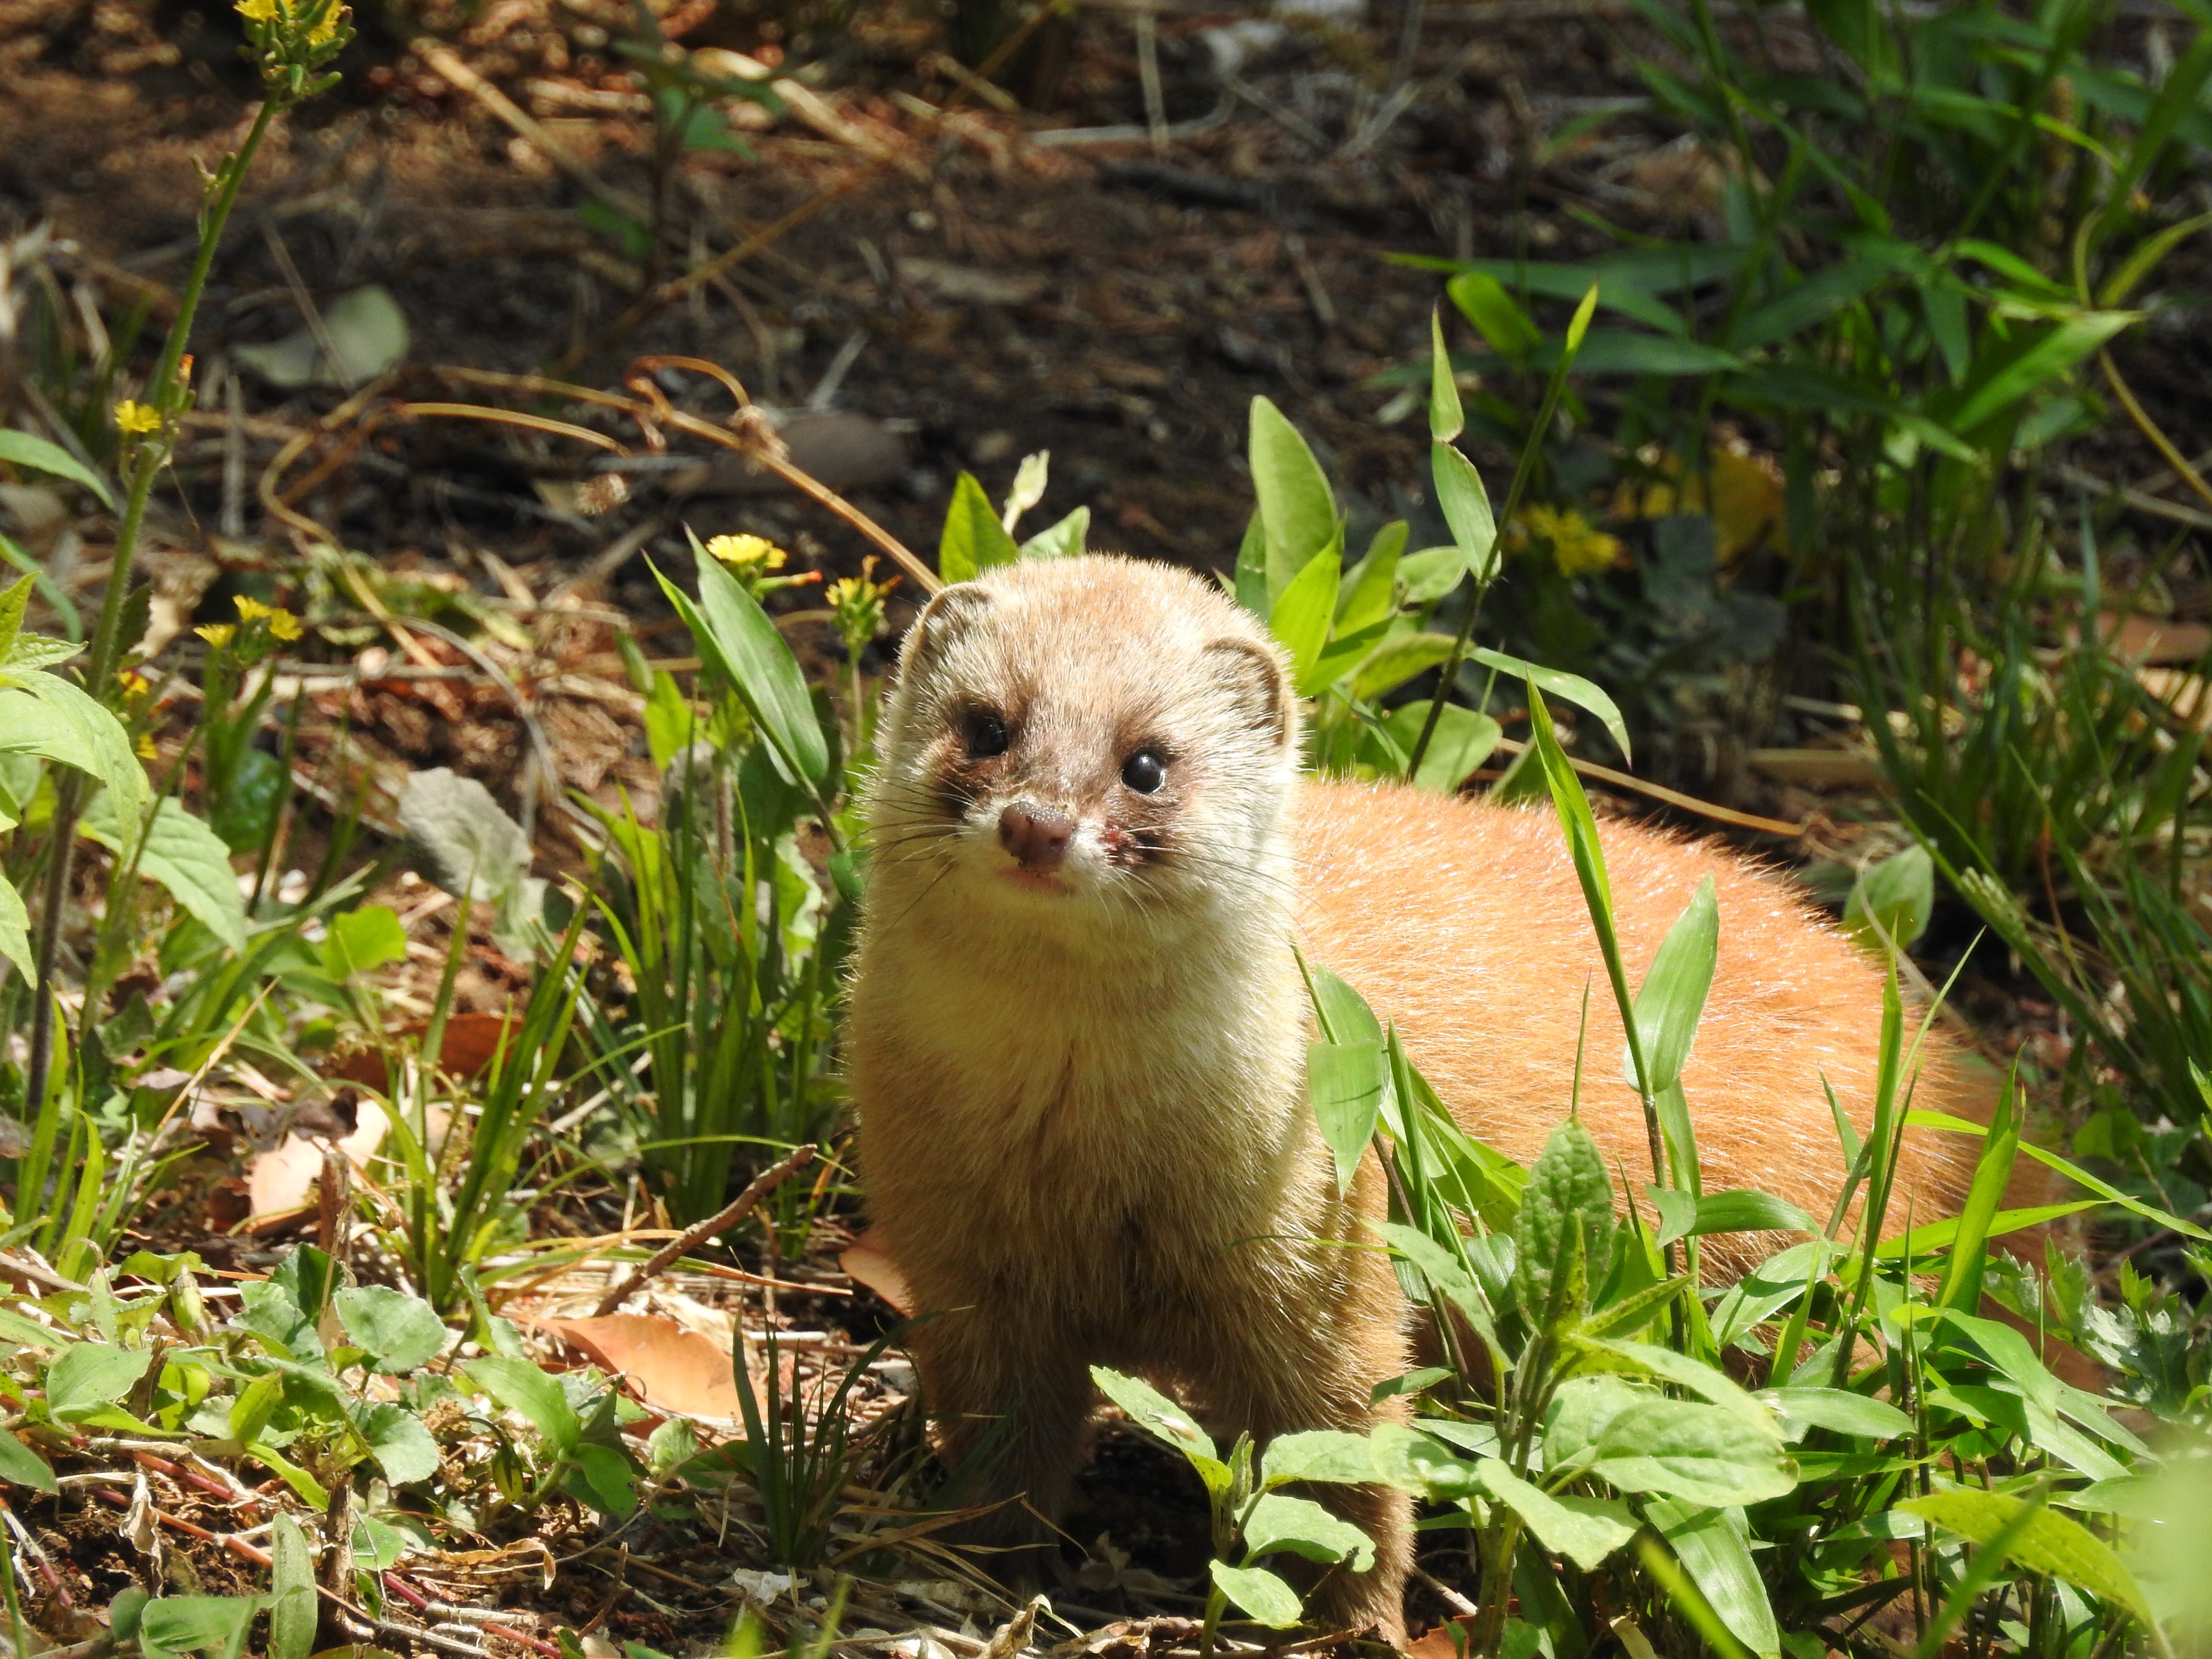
[1465, 923]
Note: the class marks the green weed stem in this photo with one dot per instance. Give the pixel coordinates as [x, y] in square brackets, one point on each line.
[168, 394]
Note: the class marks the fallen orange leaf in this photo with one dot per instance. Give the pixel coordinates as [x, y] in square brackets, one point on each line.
[676, 1371]
[469, 1043]
[278, 1181]
[867, 1261]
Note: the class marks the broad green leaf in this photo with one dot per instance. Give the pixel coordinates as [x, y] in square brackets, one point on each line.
[973, 540]
[254, 1406]
[1466, 506]
[45, 714]
[308, 1490]
[1345, 1082]
[1305, 1528]
[1569, 1197]
[1297, 508]
[1714, 1547]
[292, 1610]
[1428, 575]
[1446, 419]
[16, 932]
[1630, 1314]
[521, 1387]
[1694, 1374]
[604, 1478]
[1572, 688]
[12, 601]
[1447, 1277]
[37, 651]
[2025, 366]
[1895, 897]
[182, 854]
[1064, 540]
[1672, 998]
[400, 1332]
[1586, 1530]
[1368, 595]
[21, 1467]
[1344, 1014]
[362, 940]
[1742, 1211]
[216, 1624]
[1153, 1412]
[460, 836]
[1301, 614]
[1462, 741]
[28, 449]
[1252, 568]
[1840, 1410]
[377, 1546]
[1413, 1463]
[89, 1377]
[1682, 1448]
[403, 1447]
[734, 633]
[1400, 658]
[1330, 1455]
[1678, 1210]
[1259, 1593]
[1483, 301]
[2050, 1543]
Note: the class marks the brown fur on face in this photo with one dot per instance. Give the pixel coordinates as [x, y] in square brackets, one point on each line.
[1081, 1092]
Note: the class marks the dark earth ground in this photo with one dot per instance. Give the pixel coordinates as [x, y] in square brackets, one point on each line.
[973, 295]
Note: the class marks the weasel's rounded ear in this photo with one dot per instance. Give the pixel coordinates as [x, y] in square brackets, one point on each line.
[1253, 671]
[942, 620]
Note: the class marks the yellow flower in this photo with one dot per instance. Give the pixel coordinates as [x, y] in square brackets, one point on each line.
[145, 747]
[856, 603]
[274, 12]
[281, 622]
[218, 634]
[750, 555]
[133, 416]
[1578, 547]
[1746, 504]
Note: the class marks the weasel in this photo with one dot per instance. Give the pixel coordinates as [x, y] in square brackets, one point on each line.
[1076, 1027]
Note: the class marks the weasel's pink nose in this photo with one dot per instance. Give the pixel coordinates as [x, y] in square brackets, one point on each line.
[1037, 835]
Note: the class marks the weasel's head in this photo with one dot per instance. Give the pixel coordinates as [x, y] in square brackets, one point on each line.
[1098, 739]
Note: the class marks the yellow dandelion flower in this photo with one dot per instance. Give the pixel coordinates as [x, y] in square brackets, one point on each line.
[218, 634]
[133, 416]
[281, 622]
[751, 554]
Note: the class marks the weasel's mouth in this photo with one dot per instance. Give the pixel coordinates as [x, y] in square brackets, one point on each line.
[1036, 881]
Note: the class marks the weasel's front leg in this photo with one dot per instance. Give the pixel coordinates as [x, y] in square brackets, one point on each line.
[1009, 1413]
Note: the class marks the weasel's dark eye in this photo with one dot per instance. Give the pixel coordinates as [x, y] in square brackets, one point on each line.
[984, 733]
[1146, 771]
